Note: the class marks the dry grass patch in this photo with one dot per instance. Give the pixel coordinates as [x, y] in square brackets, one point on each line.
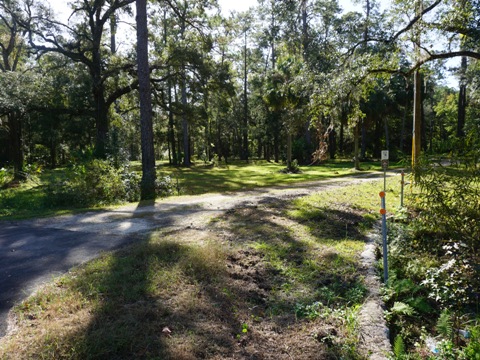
[262, 282]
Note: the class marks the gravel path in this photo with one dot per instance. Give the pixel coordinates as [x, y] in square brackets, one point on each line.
[34, 251]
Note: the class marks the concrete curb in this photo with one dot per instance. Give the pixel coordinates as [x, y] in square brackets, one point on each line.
[374, 333]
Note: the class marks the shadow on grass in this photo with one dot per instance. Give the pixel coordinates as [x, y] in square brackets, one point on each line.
[241, 176]
[293, 282]
[262, 292]
[249, 302]
[160, 300]
[310, 265]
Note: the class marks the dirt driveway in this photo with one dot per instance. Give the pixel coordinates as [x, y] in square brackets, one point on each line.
[34, 251]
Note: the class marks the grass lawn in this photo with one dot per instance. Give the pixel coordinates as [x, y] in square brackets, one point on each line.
[240, 176]
[279, 280]
[29, 200]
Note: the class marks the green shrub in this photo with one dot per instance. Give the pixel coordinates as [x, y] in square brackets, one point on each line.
[40, 155]
[96, 182]
[5, 177]
[294, 168]
[165, 186]
[446, 225]
[434, 274]
[131, 184]
[472, 350]
[399, 347]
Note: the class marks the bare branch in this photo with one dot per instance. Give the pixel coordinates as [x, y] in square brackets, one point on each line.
[121, 91]
[414, 20]
[448, 55]
[429, 58]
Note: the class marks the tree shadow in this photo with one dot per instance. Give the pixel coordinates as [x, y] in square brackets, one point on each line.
[284, 279]
[246, 294]
[160, 301]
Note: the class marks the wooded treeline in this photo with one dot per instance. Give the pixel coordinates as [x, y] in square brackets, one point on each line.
[287, 80]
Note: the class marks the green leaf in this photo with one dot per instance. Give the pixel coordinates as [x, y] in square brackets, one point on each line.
[401, 308]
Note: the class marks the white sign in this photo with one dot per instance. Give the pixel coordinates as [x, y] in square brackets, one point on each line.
[384, 154]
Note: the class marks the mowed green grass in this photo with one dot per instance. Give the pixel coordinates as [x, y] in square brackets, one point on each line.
[29, 200]
[243, 176]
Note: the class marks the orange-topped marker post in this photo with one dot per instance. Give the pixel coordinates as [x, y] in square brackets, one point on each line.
[383, 211]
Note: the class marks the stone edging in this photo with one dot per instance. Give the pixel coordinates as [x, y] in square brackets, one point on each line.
[374, 333]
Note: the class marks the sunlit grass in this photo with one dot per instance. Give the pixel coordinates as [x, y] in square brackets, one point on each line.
[364, 198]
[275, 267]
[29, 198]
[240, 176]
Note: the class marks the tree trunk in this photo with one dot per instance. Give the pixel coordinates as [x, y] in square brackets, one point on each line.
[341, 142]
[365, 38]
[401, 144]
[417, 103]
[245, 105]
[462, 100]
[273, 26]
[276, 147]
[101, 107]
[53, 154]
[113, 33]
[16, 146]
[183, 94]
[186, 145]
[387, 138]
[363, 152]
[171, 122]
[101, 120]
[305, 39]
[357, 140]
[332, 143]
[171, 125]
[289, 150]
[417, 119]
[148, 153]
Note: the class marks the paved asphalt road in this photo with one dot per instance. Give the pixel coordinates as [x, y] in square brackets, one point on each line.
[32, 254]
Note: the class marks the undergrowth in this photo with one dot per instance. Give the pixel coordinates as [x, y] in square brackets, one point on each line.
[433, 292]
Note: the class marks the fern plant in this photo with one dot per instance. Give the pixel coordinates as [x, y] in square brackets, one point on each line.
[399, 347]
[445, 325]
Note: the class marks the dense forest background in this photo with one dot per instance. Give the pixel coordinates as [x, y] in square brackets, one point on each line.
[287, 80]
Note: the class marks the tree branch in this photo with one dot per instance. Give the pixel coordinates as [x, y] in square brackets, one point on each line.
[120, 92]
[448, 55]
[398, 34]
[429, 58]
[414, 20]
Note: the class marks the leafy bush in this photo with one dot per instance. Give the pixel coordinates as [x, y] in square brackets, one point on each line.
[165, 186]
[96, 182]
[40, 155]
[446, 224]
[5, 177]
[453, 284]
[294, 168]
[434, 273]
[472, 350]
[131, 183]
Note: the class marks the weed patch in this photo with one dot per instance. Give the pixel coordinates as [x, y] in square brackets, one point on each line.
[432, 294]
